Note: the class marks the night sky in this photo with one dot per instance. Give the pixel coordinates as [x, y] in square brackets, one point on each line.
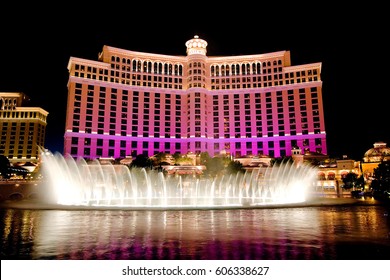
[350, 42]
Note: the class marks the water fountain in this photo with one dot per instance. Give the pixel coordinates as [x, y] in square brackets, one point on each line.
[78, 183]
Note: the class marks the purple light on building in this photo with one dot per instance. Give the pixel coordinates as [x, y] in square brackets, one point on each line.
[130, 103]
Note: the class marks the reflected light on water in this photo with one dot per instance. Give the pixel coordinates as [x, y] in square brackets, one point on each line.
[280, 233]
[222, 234]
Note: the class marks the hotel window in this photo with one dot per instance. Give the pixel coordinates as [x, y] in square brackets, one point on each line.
[110, 152]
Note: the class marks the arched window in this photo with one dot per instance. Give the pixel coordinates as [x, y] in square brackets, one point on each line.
[233, 69]
[155, 68]
[166, 68]
[145, 67]
[321, 176]
[254, 68]
[248, 68]
[134, 66]
[331, 176]
[160, 67]
[227, 70]
[180, 70]
[222, 70]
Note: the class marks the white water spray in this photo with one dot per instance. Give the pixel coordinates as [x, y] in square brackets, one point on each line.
[78, 183]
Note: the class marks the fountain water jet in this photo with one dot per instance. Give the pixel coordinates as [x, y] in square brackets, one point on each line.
[78, 183]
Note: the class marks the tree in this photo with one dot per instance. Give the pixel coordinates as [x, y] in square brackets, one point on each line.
[184, 160]
[350, 181]
[214, 166]
[4, 167]
[204, 157]
[234, 167]
[142, 161]
[160, 158]
[176, 156]
[381, 181]
[280, 160]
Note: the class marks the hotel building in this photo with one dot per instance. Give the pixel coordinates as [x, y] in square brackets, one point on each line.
[22, 128]
[129, 103]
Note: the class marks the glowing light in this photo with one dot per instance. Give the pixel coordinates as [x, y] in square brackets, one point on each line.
[74, 182]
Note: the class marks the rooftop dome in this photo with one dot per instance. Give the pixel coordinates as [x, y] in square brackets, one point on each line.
[196, 46]
[380, 152]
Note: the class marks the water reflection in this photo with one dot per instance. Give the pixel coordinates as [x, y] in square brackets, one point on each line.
[353, 232]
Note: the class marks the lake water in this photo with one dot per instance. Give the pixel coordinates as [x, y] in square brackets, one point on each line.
[325, 232]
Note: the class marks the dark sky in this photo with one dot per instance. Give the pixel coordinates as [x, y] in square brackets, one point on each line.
[37, 42]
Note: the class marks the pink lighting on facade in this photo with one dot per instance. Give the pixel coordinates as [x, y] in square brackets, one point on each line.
[130, 103]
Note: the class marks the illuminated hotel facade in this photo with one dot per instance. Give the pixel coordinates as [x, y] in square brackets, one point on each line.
[22, 128]
[131, 103]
